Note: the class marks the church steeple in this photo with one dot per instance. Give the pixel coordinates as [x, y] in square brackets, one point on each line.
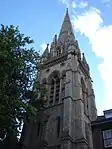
[66, 40]
[69, 103]
[66, 29]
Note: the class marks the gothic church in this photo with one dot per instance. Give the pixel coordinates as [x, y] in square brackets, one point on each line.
[65, 122]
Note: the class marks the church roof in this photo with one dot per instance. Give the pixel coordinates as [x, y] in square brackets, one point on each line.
[66, 29]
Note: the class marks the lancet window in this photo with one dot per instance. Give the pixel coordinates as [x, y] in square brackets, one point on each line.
[63, 84]
[54, 87]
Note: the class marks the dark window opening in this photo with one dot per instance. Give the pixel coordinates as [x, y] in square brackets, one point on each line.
[38, 131]
[44, 128]
[58, 126]
[58, 52]
[63, 85]
[52, 91]
[54, 88]
[57, 89]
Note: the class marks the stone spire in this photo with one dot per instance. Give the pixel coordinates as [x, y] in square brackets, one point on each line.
[53, 46]
[46, 52]
[66, 29]
[85, 61]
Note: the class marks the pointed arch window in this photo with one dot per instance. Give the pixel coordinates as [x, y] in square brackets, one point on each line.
[58, 126]
[58, 51]
[63, 85]
[57, 88]
[54, 88]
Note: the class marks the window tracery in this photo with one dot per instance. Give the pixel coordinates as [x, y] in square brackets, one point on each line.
[63, 84]
[54, 88]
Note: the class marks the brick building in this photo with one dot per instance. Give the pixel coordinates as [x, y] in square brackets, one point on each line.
[102, 131]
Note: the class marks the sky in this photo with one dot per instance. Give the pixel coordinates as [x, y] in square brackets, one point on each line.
[92, 24]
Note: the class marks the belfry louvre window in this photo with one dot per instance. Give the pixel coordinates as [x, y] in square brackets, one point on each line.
[58, 51]
[54, 88]
[58, 126]
[63, 85]
[57, 88]
[107, 138]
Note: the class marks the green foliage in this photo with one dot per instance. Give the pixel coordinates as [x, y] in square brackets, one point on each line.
[19, 70]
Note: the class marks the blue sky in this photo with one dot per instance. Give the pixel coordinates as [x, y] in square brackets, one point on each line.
[92, 22]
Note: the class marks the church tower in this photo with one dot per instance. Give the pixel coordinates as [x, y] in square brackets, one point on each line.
[65, 122]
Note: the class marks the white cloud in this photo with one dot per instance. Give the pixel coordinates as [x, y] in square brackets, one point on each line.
[75, 3]
[92, 26]
[66, 2]
[42, 47]
[107, 3]
[88, 23]
[83, 4]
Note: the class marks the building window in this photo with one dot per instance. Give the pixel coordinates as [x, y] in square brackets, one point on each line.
[57, 89]
[54, 88]
[58, 126]
[58, 51]
[107, 137]
[63, 85]
[38, 129]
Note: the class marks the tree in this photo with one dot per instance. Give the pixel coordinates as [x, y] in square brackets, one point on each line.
[19, 71]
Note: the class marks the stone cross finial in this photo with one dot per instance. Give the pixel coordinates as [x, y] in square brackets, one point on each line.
[67, 10]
